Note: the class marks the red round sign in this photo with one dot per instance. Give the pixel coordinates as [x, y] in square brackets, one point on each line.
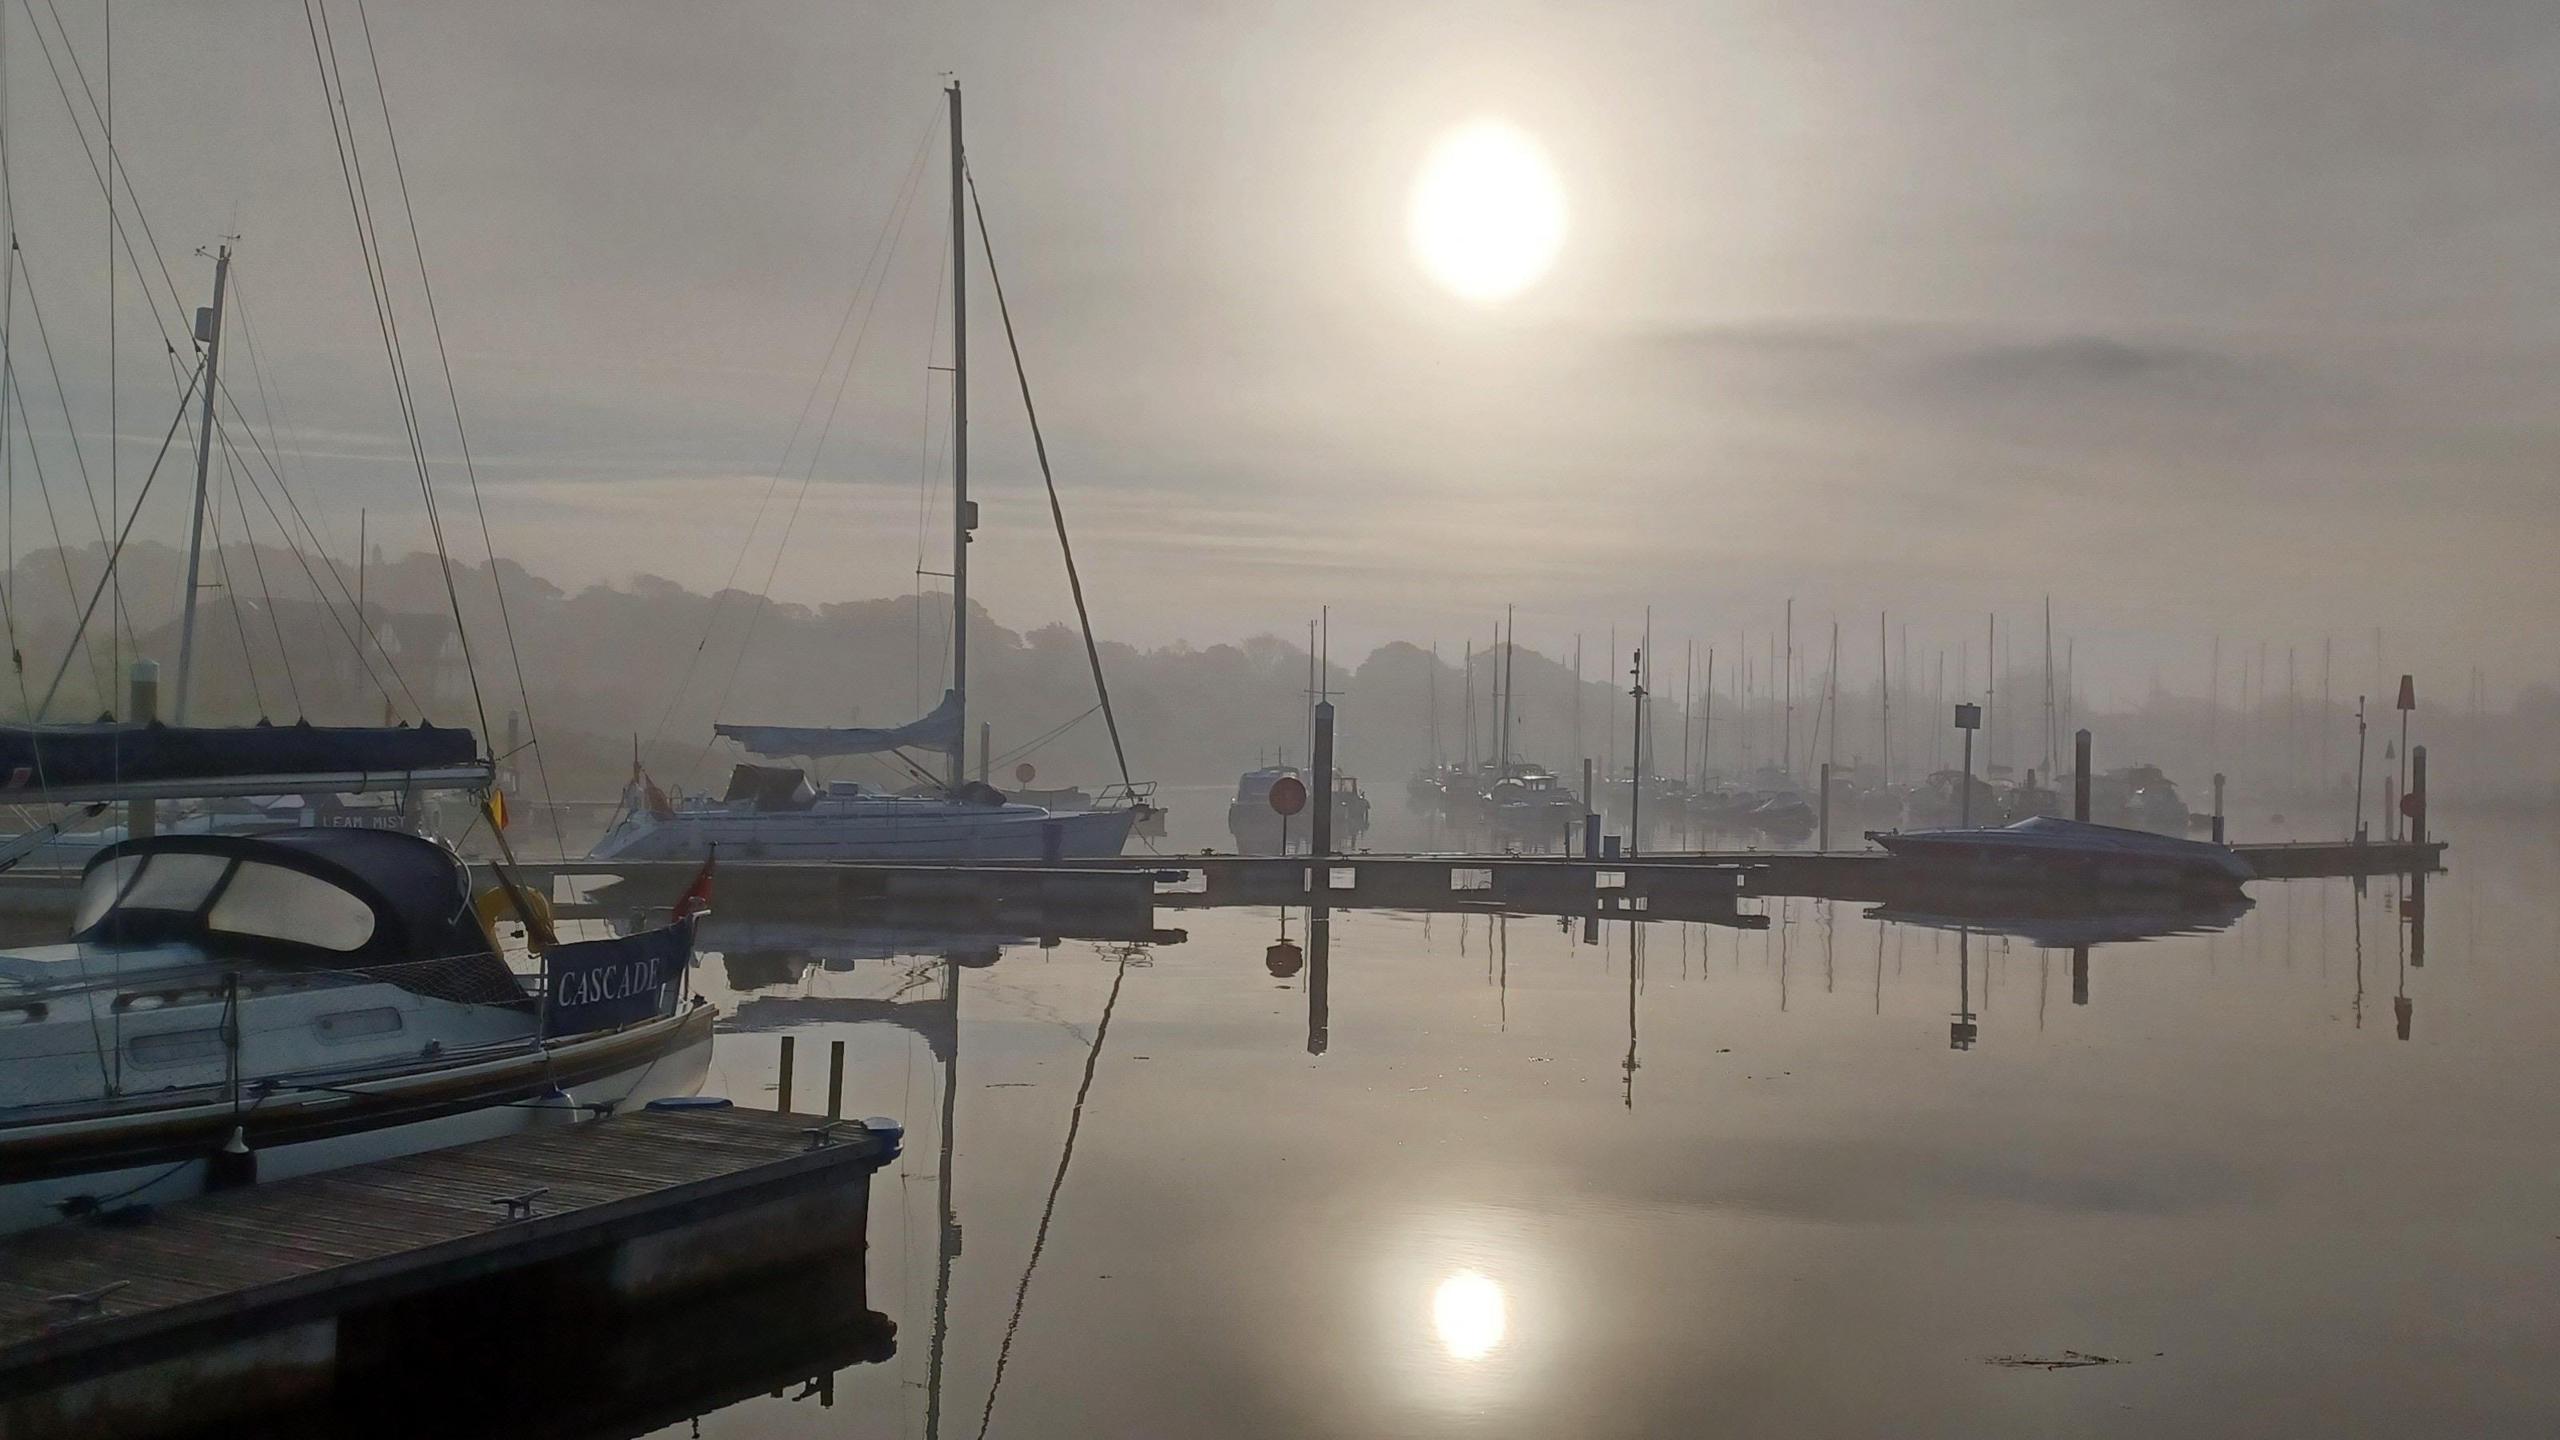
[1023, 772]
[1288, 795]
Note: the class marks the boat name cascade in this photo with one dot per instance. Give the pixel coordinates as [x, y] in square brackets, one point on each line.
[599, 984]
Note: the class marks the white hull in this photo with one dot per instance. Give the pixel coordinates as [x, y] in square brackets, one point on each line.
[679, 1071]
[877, 830]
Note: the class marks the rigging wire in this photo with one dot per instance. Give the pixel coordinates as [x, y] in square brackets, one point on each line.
[453, 397]
[17, 395]
[360, 209]
[231, 592]
[117, 553]
[892, 226]
[337, 574]
[1057, 513]
[98, 173]
[70, 427]
[930, 459]
[275, 621]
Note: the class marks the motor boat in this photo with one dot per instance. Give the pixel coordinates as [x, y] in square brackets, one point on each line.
[2048, 851]
[1259, 830]
[231, 1007]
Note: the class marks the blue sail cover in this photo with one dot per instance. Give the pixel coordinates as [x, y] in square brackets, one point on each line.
[939, 730]
[44, 757]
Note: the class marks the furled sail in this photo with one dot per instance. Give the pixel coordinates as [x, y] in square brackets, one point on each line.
[49, 757]
[939, 730]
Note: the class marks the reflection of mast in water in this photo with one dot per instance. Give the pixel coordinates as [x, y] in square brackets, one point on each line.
[1880, 929]
[1635, 972]
[2355, 919]
[1502, 948]
[1827, 975]
[1961, 1031]
[2413, 910]
[946, 1225]
[1058, 1180]
[1319, 978]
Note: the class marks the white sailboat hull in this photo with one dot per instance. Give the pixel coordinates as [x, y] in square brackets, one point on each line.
[889, 829]
[676, 1068]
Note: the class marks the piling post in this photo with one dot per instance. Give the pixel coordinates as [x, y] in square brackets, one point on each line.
[2217, 808]
[1590, 833]
[1822, 813]
[1323, 843]
[142, 817]
[2080, 775]
[782, 1087]
[2416, 804]
[986, 749]
[835, 1080]
[1587, 807]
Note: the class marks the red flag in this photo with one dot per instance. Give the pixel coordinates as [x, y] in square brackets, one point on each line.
[696, 899]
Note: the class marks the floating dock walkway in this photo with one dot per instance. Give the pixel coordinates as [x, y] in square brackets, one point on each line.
[244, 1300]
[1122, 890]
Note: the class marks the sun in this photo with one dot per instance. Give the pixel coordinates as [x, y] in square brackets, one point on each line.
[1487, 214]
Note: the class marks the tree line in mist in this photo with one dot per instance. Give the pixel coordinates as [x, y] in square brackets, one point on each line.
[650, 665]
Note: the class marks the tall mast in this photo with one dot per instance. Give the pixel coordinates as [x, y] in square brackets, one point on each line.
[2052, 736]
[1510, 636]
[1787, 719]
[209, 330]
[1884, 700]
[1707, 721]
[964, 515]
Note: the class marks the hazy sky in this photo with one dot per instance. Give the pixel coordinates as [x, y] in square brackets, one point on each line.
[2228, 316]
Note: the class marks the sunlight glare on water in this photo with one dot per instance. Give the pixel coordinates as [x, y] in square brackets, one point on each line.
[1470, 1315]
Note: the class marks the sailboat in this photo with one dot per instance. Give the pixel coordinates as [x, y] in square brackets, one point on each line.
[777, 813]
[235, 1007]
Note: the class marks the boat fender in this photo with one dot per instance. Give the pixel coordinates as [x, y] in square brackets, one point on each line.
[234, 1165]
[493, 905]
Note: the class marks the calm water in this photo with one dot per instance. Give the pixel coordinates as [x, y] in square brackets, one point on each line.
[1692, 1180]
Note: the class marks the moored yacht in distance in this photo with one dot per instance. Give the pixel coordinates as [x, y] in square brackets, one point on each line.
[775, 813]
[236, 1007]
[772, 813]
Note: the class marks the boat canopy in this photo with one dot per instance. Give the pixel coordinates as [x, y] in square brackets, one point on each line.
[39, 758]
[356, 897]
[939, 730]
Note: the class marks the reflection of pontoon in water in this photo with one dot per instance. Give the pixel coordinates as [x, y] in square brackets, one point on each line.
[304, 1001]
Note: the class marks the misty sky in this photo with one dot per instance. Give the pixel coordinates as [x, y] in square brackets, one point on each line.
[2221, 317]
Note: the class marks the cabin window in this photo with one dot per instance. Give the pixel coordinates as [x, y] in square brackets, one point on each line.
[98, 893]
[357, 1024]
[176, 1047]
[174, 881]
[270, 902]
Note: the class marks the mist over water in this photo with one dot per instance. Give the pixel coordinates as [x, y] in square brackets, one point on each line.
[2254, 1171]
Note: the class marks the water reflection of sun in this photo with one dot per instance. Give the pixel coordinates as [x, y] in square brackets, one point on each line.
[1470, 1314]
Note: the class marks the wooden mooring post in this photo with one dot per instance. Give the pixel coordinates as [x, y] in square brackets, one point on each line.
[2080, 775]
[782, 1087]
[835, 1080]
